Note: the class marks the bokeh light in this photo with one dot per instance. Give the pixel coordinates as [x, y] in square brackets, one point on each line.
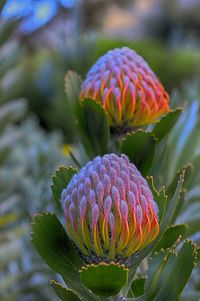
[35, 13]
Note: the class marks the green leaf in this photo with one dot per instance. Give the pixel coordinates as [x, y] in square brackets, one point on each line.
[172, 204]
[198, 254]
[170, 236]
[187, 172]
[137, 287]
[183, 193]
[104, 279]
[191, 144]
[53, 245]
[194, 178]
[159, 196]
[60, 181]
[164, 126]
[176, 273]
[156, 267]
[90, 118]
[72, 89]
[180, 205]
[166, 221]
[64, 293]
[191, 216]
[96, 126]
[140, 148]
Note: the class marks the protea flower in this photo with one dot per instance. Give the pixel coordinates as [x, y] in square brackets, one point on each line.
[109, 209]
[127, 88]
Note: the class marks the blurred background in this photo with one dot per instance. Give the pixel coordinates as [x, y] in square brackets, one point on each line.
[40, 40]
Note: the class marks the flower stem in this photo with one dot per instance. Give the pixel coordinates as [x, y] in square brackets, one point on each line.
[74, 159]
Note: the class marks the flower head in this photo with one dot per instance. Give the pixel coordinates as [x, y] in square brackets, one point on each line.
[127, 88]
[109, 209]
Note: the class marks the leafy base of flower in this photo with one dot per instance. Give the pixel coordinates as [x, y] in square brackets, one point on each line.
[104, 279]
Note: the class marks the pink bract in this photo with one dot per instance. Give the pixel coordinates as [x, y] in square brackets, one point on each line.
[129, 91]
[109, 209]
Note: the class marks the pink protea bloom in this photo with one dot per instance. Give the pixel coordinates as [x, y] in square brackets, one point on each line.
[127, 88]
[109, 209]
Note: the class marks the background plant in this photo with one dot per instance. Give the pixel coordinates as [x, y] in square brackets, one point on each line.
[28, 157]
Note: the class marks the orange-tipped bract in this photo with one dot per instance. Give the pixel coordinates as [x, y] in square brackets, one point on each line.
[123, 83]
[109, 209]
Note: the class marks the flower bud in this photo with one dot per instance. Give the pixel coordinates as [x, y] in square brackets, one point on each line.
[123, 83]
[112, 214]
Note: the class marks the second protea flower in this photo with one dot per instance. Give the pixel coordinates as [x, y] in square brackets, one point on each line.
[127, 88]
[109, 209]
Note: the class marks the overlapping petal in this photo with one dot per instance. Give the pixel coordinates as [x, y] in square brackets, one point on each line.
[109, 209]
[127, 88]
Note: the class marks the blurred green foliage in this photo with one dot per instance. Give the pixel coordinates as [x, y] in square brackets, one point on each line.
[25, 179]
[28, 157]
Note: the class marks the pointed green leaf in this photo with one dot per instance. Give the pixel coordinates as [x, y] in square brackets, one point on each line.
[137, 287]
[157, 270]
[64, 293]
[162, 203]
[191, 144]
[60, 181]
[170, 236]
[104, 279]
[166, 221]
[191, 216]
[164, 126]
[180, 205]
[187, 172]
[198, 254]
[96, 126]
[156, 267]
[177, 273]
[90, 118]
[72, 88]
[173, 203]
[159, 196]
[194, 178]
[53, 245]
[140, 148]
